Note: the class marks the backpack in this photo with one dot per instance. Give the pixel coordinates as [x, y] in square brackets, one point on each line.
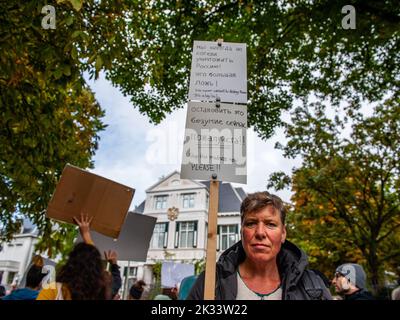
[313, 285]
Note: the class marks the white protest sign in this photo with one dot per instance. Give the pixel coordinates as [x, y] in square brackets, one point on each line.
[218, 72]
[173, 273]
[215, 142]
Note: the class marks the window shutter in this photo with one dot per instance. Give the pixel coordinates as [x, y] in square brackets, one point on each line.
[237, 232]
[166, 234]
[177, 234]
[218, 237]
[195, 235]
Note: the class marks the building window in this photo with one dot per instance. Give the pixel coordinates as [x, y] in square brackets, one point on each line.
[227, 236]
[130, 271]
[160, 236]
[186, 234]
[161, 202]
[188, 200]
[10, 277]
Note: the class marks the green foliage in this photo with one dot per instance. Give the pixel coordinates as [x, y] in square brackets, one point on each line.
[199, 266]
[157, 270]
[48, 117]
[295, 48]
[346, 200]
[155, 289]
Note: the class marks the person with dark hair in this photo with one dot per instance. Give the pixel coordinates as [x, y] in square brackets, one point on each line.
[83, 276]
[34, 279]
[263, 265]
[136, 291]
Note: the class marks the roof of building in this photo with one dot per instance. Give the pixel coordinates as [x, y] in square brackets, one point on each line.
[229, 200]
[163, 178]
[28, 227]
[241, 193]
[140, 207]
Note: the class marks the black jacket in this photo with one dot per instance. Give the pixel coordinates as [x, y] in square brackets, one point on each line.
[359, 295]
[116, 279]
[297, 282]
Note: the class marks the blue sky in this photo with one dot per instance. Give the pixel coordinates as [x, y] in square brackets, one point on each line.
[134, 152]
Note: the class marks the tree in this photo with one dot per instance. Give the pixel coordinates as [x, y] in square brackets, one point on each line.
[346, 199]
[295, 48]
[49, 117]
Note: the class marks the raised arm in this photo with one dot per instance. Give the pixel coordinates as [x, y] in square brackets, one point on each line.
[84, 227]
[111, 257]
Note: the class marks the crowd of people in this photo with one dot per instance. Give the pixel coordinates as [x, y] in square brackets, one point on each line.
[263, 265]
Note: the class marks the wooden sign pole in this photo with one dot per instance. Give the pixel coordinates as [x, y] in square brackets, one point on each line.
[211, 257]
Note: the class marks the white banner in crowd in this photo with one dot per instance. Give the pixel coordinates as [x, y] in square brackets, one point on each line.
[215, 142]
[218, 72]
[173, 273]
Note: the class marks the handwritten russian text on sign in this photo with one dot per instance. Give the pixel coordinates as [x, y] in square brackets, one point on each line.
[215, 142]
[218, 72]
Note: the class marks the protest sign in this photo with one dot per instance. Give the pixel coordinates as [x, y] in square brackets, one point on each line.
[218, 72]
[172, 273]
[133, 241]
[80, 191]
[215, 134]
[215, 142]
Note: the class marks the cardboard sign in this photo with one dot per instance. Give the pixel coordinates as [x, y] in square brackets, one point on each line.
[215, 142]
[80, 191]
[133, 241]
[172, 273]
[218, 72]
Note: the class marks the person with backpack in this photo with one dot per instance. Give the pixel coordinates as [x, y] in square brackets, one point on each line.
[263, 265]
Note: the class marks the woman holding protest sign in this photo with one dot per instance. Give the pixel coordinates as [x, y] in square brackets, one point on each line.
[263, 265]
[83, 276]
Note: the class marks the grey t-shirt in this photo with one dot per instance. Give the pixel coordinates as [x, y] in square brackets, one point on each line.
[244, 293]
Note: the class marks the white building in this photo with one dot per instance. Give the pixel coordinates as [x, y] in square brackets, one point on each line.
[16, 255]
[180, 234]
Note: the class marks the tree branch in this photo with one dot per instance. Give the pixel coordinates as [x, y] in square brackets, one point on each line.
[388, 232]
